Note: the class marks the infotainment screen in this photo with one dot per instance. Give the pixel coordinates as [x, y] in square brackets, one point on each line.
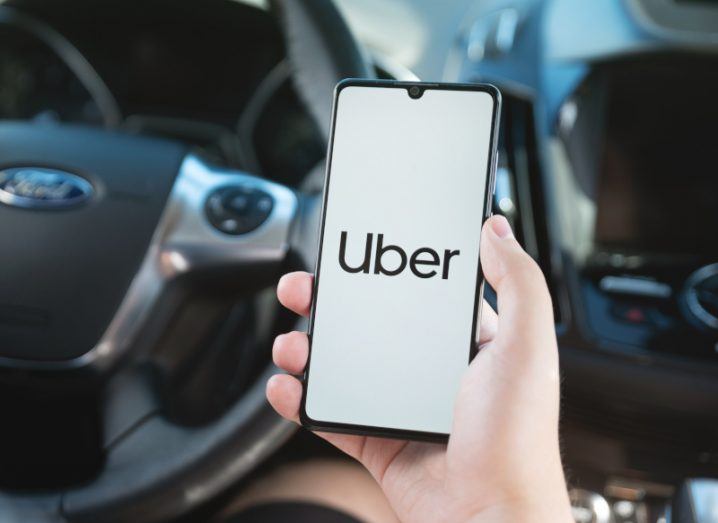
[657, 187]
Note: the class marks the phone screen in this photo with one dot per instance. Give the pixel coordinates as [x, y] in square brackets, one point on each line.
[398, 275]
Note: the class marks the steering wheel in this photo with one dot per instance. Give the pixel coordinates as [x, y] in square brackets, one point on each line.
[109, 232]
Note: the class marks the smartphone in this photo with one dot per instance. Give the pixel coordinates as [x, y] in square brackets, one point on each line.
[398, 282]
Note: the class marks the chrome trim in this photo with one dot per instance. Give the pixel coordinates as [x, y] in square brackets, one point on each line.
[690, 295]
[185, 241]
[635, 286]
[703, 498]
[589, 507]
[192, 242]
[39, 179]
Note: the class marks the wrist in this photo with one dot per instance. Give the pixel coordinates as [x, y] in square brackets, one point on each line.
[538, 511]
[549, 504]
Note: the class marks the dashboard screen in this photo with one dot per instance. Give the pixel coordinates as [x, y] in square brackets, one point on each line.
[658, 181]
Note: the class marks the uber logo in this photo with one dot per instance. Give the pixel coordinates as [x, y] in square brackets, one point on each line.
[419, 262]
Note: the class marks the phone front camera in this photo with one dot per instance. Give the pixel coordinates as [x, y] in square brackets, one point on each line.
[415, 92]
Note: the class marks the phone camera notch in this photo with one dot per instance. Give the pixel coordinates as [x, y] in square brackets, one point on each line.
[415, 92]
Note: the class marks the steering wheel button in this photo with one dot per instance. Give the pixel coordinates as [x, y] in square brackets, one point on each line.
[264, 204]
[238, 203]
[215, 203]
[229, 226]
[238, 209]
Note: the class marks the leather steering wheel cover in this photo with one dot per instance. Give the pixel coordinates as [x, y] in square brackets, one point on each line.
[160, 470]
[321, 50]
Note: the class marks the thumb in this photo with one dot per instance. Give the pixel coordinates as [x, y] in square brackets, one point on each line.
[524, 303]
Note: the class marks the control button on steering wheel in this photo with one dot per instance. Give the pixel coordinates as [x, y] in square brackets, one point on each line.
[238, 209]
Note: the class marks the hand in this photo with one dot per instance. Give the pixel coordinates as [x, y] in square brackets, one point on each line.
[502, 462]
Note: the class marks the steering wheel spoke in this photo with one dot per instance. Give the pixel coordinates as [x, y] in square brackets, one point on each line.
[220, 218]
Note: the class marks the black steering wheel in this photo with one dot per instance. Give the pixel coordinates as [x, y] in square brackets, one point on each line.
[109, 231]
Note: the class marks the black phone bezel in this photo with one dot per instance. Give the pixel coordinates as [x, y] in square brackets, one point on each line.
[366, 430]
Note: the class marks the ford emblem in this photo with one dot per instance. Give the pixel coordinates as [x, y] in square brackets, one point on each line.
[42, 188]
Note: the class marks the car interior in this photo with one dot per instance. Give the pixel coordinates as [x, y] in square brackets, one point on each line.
[136, 331]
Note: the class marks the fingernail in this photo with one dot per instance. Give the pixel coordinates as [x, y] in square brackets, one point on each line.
[501, 227]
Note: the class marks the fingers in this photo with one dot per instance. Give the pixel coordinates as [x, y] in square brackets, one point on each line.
[284, 394]
[524, 303]
[295, 292]
[290, 352]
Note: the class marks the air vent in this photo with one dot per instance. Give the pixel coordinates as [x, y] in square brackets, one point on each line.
[700, 297]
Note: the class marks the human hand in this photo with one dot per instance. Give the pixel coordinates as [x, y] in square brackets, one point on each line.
[502, 461]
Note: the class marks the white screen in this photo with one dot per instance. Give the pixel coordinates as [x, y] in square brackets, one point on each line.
[389, 351]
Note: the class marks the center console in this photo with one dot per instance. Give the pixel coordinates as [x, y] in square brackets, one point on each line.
[642, 152]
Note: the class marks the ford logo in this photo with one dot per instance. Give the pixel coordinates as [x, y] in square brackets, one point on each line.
[42, 188]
